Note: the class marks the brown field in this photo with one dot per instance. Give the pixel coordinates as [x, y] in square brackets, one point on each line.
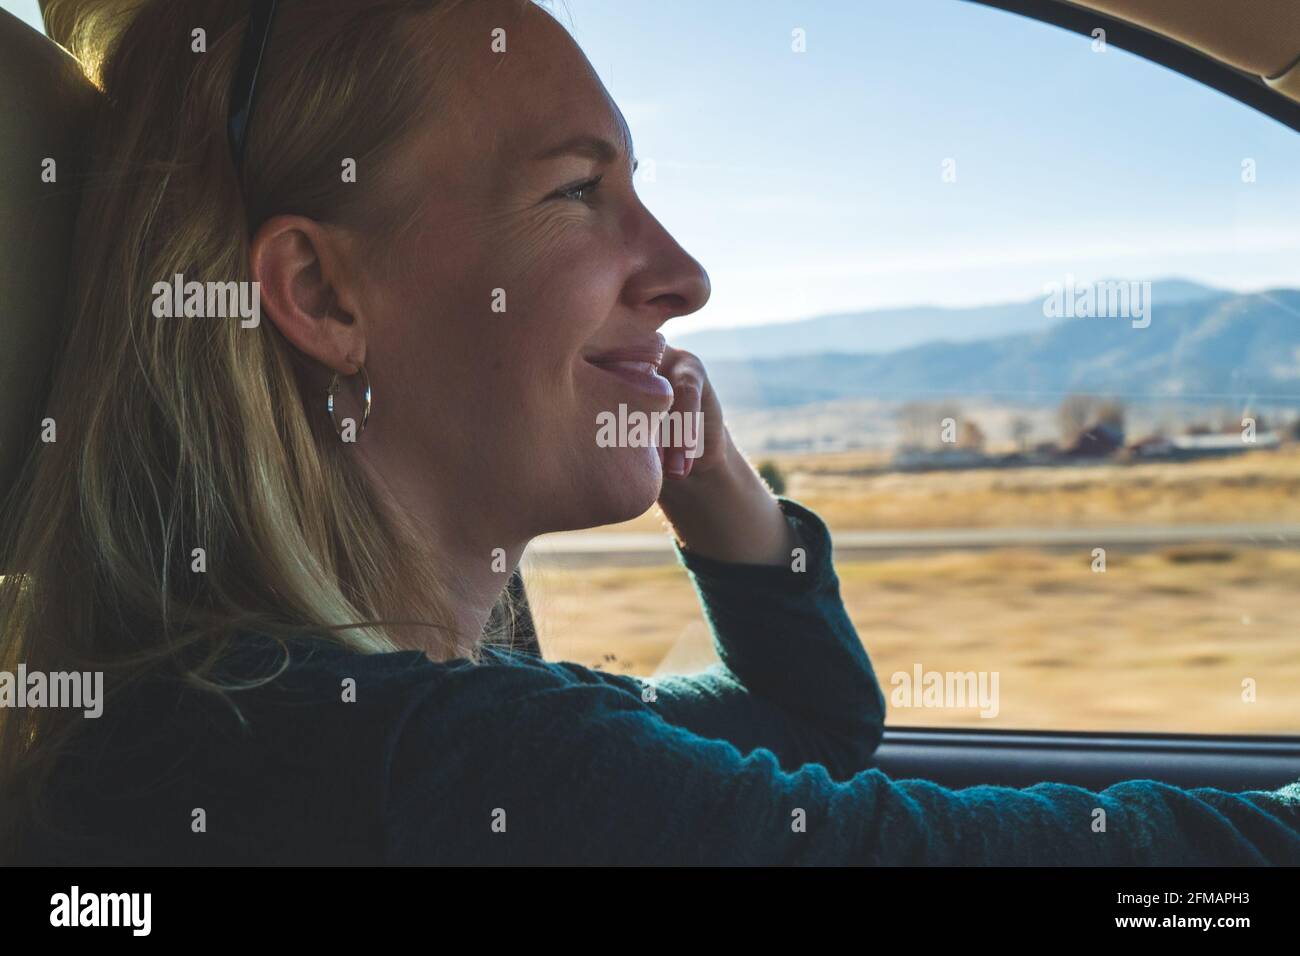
[1259, 486]
[1161, 641]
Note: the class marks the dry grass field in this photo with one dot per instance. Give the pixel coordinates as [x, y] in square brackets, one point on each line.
[1263, 486]
[1259, 486]
[1162, 640]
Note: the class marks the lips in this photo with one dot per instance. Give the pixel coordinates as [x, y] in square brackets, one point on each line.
[637, 366]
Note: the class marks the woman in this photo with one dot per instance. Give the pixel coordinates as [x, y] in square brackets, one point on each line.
[288, 598]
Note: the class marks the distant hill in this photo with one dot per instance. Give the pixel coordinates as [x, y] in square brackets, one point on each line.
[1219, 346]
[889, 330]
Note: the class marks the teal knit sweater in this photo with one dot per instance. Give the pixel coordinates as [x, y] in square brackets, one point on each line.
[760, 759]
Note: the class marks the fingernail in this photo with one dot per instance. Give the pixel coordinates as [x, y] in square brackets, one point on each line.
[675, 462]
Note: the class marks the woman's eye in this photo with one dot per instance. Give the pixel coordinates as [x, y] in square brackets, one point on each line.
[580, 191]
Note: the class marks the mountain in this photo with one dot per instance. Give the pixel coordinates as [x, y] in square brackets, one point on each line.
[889, 330]
[1224, 347]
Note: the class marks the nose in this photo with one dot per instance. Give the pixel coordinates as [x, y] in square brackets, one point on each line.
[670, 283]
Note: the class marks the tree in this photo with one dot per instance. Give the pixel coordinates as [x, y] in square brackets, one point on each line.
[770, 473]
[1110, 413]
[1021, 429]
[1074, 417]
[914, 424]
[921, 424]
[972, 436]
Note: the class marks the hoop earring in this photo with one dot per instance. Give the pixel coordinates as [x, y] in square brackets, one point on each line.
[333, 390]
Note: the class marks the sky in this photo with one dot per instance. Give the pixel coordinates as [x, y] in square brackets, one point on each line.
[814, 182]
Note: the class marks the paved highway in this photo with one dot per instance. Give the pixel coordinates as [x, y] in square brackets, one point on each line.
[591, 548]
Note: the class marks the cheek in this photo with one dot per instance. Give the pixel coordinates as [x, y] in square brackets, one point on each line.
[571, 275]
[493, 330]
[558, 308]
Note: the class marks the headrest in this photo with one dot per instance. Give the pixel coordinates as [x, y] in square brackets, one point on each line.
[44, 111]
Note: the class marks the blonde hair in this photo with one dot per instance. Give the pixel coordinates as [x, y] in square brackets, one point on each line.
[177, 434]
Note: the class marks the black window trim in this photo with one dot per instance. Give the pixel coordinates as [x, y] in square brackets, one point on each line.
[1241, 86]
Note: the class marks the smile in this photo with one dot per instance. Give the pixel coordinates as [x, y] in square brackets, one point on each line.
[644, 376]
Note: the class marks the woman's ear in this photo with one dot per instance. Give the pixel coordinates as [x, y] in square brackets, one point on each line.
[308, 290]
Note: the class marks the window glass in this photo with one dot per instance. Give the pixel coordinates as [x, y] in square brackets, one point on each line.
[1013, 311]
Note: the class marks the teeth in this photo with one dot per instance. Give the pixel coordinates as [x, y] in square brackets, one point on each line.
[647, 368]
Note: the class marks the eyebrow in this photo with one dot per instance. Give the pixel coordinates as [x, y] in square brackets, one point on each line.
[595, 147]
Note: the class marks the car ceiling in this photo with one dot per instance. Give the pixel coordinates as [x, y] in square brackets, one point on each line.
[1261, 37]
[1258, 37]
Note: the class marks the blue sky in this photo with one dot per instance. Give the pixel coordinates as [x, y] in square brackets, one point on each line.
[811, 182]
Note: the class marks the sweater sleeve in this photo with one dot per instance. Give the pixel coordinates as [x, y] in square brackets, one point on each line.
[517, 765]
[794, 677]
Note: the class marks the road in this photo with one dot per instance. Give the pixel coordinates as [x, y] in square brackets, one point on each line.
[617, 549]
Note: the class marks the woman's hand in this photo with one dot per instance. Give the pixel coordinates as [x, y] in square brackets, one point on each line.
[717, 504]
[696, 408]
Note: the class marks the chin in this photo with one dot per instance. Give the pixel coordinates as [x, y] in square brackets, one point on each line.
[627, 484]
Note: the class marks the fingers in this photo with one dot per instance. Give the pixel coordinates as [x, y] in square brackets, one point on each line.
[688, 378]
[690, 386]
[686, 405]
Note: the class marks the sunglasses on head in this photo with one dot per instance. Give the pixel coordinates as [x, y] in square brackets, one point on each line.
[243, 90]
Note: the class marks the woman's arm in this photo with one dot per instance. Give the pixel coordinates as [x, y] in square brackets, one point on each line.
[520, 765]
[794, 677]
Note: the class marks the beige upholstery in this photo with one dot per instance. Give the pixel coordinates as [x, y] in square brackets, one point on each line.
[1288, 83]
[43, 108]
[1260, 37]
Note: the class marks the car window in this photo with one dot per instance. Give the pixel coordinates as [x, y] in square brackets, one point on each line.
[1013, 311]
[28, 11]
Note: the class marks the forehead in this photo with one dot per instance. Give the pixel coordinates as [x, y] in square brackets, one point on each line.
[540, 92]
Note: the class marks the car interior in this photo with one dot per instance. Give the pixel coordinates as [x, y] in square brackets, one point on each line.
[1250, 52]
